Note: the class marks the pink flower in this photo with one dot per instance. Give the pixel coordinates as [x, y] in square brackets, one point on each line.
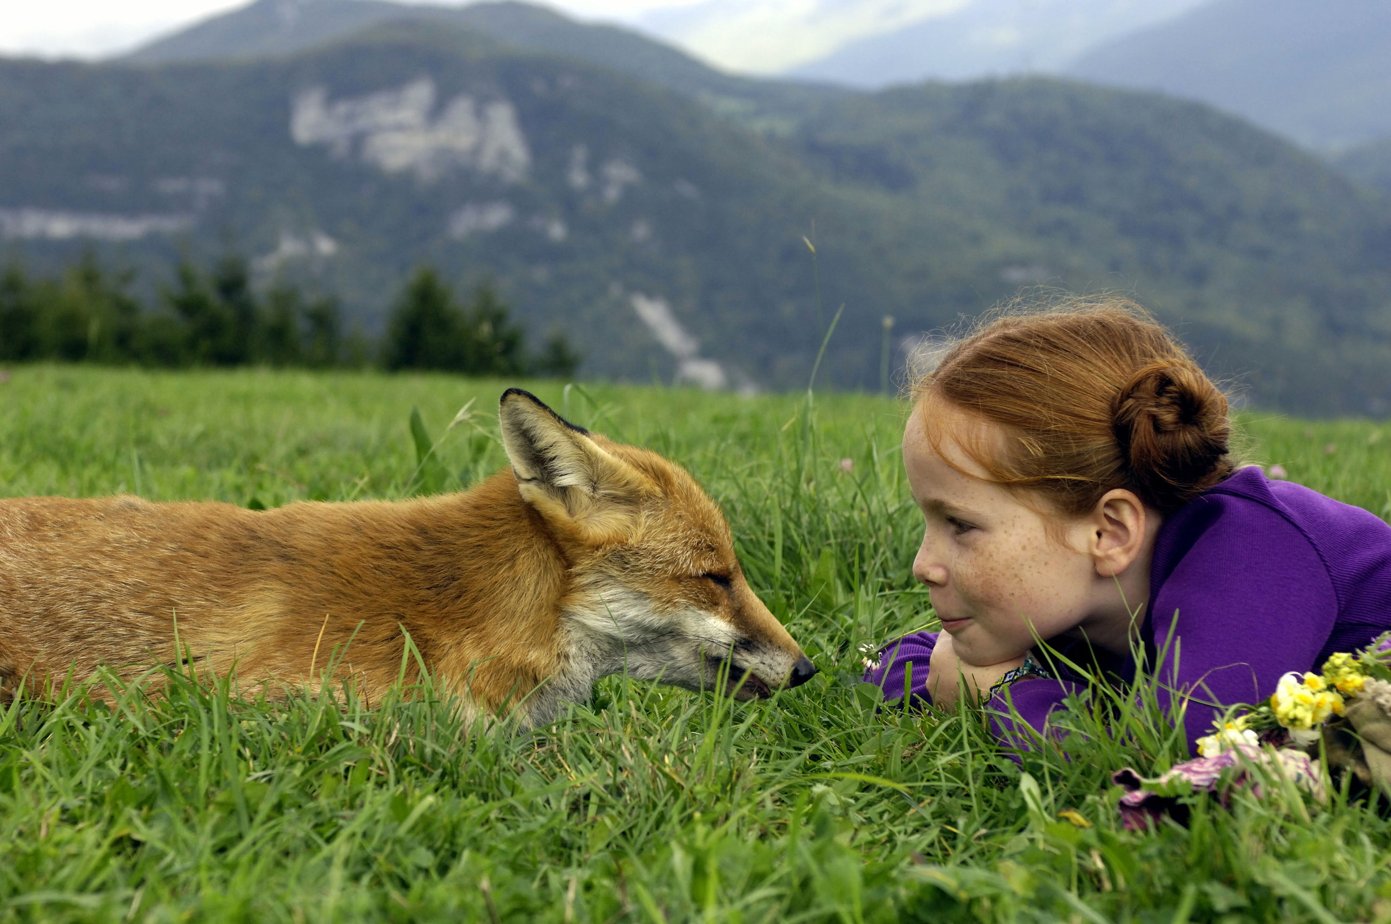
[1241, 768]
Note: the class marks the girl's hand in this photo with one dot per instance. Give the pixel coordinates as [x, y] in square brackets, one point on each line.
[948, 675]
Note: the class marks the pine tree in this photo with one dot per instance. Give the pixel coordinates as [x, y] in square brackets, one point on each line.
[491, 344]
[425, 326]
[18, 316]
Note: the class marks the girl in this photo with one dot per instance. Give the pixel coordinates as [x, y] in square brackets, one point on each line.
[1074, 472]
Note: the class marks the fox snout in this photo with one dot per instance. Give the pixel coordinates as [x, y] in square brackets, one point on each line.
[749, 685]
[802, 671]
[763, 657]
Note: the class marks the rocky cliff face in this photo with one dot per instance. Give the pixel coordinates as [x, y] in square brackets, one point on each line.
[410, 130]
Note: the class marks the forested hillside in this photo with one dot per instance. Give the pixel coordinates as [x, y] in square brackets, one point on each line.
[675, 222]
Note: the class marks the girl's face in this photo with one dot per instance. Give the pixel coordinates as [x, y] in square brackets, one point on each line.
[999, 577]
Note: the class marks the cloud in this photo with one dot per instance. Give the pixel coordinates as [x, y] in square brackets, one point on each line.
[751, 36]
[89, 28]
[776, 35]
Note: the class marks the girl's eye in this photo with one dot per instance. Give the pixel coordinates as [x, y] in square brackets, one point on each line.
[959, 527]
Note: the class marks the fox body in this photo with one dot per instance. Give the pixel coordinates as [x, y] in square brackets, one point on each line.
[586, 558]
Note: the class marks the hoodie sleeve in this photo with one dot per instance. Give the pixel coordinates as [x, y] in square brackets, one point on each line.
[900, 669]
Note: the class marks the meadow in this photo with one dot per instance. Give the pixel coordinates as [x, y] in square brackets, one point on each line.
[650, 803]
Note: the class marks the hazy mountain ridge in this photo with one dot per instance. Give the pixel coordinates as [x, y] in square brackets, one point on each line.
[985, 39]
[1317, 73]
[1368, 163]
[662, 234]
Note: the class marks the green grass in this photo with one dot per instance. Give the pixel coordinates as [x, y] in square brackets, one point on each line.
[650, 803]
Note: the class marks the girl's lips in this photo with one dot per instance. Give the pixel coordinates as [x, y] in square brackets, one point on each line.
[951, 625]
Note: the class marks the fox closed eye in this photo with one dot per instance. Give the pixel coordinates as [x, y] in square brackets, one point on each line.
[719, 579]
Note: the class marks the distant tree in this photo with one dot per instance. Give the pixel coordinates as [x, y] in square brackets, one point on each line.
[62, 324]
[18, 316]
[239, 312]
[425, 326]
[429, 329]
[200, 319]
[218, 312]
[161, 340]
[278, 328]
[557, 359]
[323, 336]
[218, 318]
[85, 314]
[114, 313]
[490, 343]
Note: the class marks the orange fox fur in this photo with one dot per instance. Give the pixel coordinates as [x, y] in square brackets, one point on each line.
[586, 558]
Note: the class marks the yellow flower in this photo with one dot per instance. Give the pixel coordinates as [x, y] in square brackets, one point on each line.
[1345, 673]
[1302, 701]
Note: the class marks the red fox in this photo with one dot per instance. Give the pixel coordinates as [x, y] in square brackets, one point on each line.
[584, 559]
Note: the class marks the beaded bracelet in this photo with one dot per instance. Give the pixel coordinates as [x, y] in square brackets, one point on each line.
[1029, 668]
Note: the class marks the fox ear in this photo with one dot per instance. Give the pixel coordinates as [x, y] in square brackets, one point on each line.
[563, 473]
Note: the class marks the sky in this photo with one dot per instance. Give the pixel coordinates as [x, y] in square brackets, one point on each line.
[92, 28]
[751, 36]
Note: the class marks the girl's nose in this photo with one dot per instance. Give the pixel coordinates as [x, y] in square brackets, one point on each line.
[927, 564]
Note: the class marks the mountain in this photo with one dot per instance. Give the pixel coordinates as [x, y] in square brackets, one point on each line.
[1315, 72]
[708, 228]
[982, 39]
[1226, 231]
[280, 27]
[1368, 163]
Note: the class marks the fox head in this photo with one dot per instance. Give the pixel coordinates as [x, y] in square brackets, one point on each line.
[655, 589]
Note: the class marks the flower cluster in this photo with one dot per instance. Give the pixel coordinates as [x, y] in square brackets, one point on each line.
[1304, 702]
[1347, 674]
[1229, 735]
[1345, 709]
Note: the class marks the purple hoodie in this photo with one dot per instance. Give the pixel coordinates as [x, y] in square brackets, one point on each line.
[1250, 580]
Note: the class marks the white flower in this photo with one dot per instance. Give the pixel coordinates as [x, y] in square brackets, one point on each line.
[1229, 736]
[1303, 737]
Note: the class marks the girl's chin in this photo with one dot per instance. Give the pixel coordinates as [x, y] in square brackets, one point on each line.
[979, 656]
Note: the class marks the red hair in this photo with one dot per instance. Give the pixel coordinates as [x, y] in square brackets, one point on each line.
[1089, 395]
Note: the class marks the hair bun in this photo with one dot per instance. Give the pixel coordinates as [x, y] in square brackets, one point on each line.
[1172, 430]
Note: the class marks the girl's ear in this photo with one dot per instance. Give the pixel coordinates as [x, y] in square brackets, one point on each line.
[1120, 532]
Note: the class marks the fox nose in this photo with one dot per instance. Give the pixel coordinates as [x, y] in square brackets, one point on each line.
[802, 671]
